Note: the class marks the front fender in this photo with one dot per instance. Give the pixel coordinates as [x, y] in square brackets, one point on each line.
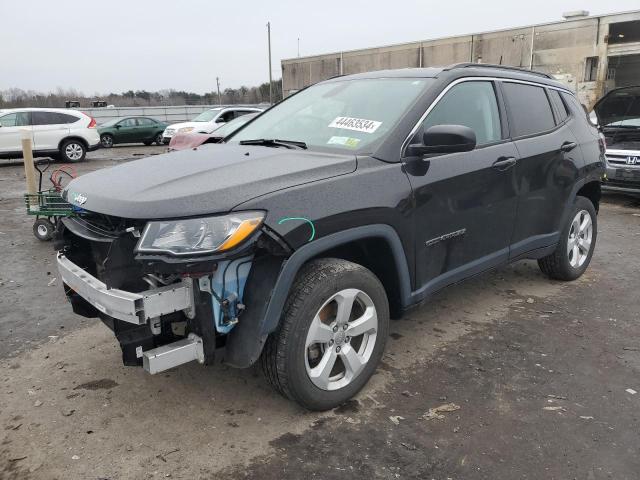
[264, 305]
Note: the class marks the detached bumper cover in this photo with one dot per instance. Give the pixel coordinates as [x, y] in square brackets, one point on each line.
[136, 308]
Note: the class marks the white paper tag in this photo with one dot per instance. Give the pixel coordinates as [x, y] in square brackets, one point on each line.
[346, 141]
[138, 352]
[357, 124]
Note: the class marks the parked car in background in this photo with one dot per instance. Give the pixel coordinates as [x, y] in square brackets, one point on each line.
[60, 133]
[208, 121]
[131, 130]
[183, 141]
[618, 115]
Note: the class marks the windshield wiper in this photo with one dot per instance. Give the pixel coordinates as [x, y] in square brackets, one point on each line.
[274, 142]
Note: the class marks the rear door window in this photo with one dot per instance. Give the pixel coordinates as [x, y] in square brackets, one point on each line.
[145, 122]
[128, 122]
[529, 107]
[471, 104]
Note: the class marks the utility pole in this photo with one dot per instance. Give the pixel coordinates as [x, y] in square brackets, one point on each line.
[298, 47]
[218, 84]
[270, 79]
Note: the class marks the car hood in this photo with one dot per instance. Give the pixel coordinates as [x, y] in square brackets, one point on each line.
[620, 108]
[177, 126]
[212, 179]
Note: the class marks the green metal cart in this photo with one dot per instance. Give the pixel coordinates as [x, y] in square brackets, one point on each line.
[47, 206]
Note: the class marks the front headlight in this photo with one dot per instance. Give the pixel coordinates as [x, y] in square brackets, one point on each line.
[194, 236]
[185, 129]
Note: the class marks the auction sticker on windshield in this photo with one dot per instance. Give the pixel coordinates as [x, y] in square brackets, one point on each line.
[357, 124]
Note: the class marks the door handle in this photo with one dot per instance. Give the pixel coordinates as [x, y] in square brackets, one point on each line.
[568, 146]
[504, 163]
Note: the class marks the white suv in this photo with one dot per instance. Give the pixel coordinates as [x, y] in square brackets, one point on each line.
[67, 134]
[207, 121]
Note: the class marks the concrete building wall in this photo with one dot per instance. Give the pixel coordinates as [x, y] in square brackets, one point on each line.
[559, 48]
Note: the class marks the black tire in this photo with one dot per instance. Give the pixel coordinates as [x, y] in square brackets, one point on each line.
[147, 142]
[558, 264]
[158, 139]
[283, 358]
[43, 229]
[106, 140]
[72, 151]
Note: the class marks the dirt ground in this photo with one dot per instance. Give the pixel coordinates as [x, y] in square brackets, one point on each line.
[543, 374]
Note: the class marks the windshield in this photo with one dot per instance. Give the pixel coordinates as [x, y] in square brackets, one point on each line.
[233, 125]
[620, 108]
[343, 115]
[207, 116]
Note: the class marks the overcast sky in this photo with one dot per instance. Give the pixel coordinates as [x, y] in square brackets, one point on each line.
[117, 45]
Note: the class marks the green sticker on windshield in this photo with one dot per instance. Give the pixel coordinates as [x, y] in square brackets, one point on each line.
[346, 141]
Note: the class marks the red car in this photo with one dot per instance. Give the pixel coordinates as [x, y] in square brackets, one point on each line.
[184, 141]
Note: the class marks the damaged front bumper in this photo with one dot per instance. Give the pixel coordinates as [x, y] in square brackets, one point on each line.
[140, 309]
[167, 311]
[136, 308]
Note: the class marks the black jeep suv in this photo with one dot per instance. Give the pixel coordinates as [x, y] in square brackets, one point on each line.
[340, 207]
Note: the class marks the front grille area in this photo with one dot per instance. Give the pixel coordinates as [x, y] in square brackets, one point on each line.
[617, 160]
[103, 246]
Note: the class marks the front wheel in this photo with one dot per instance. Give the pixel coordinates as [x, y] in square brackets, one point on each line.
[577, 242]
[331, 335]
[72, 151]
[159, 140]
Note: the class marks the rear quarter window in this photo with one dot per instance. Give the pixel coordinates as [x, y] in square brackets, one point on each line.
[529, 108]
[558, 105]
[52, 118]
[579, 110]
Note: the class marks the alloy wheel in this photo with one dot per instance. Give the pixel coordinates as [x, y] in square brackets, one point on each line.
[341, 339]
[580, 237]
[73, 151]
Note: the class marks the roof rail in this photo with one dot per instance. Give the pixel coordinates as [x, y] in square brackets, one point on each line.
[501, 67]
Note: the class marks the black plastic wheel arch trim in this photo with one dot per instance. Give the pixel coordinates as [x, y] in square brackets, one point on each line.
[245, 342]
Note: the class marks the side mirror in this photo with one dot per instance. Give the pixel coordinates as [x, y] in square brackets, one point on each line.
[593, 118]
[117, 125]
[444, 139]
[220, 120]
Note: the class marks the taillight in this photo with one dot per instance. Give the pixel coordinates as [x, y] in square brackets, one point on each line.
[92, 123]
[602, 142]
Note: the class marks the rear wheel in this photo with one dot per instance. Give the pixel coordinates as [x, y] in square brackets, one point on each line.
[72, 151]
[577, 242]
[43, 229]
[331, 336]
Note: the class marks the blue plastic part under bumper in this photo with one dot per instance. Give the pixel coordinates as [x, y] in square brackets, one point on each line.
[227, 288]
